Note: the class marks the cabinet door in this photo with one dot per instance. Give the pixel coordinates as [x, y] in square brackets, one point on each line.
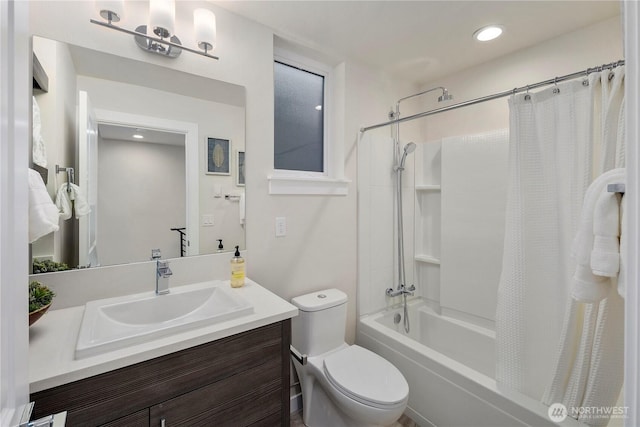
[239, 400]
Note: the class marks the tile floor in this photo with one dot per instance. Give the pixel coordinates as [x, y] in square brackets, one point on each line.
[404, 421]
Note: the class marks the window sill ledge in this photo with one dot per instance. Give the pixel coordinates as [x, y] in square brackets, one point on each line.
[293, 185]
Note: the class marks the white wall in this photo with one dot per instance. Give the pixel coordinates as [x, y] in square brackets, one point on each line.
[590, 46]
[140, 198]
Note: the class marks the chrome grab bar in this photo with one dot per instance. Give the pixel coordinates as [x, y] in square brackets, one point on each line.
[302, 358]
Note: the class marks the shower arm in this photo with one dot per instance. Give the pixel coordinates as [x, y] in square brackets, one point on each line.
[395, 115]
[443, 97]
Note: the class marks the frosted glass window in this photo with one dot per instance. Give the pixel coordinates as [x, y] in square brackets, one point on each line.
[299, 119]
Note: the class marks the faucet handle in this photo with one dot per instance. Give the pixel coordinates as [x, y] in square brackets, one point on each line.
[163, 268]
[156, 254]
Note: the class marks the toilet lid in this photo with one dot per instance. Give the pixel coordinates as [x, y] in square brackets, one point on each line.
[366, 377]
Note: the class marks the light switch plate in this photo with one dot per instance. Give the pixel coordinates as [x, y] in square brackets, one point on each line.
[281, 226]
[207, 220]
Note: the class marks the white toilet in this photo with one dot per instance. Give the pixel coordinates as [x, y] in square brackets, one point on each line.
[342, 385]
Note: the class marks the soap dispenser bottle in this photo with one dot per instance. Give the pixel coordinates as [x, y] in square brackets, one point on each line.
[237, 270]
[220, 247]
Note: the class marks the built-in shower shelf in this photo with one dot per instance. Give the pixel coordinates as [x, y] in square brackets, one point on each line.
[427, 188]
[428, 259]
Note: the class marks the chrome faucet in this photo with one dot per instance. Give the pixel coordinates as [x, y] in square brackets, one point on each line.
[163, 272]
[402, 290]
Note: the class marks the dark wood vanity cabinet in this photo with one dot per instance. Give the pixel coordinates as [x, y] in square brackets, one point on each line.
[241, 380]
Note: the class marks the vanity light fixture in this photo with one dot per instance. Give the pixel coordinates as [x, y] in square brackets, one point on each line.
[488, 33]
[162, 39]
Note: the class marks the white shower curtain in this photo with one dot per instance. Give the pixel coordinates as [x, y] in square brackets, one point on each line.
[560, 139]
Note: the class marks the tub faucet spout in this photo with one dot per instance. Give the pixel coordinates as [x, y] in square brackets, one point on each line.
[163, 272]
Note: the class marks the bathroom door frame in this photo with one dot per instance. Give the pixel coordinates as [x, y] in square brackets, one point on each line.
[15, 134]
[631, 16]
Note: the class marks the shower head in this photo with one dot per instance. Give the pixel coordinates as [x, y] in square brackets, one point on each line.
[445, 96]
[408, 149]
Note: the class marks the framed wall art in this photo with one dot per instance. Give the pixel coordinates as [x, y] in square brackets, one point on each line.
[240, 168]
[218, 156]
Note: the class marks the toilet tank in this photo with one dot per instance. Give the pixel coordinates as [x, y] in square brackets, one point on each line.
[321, 321]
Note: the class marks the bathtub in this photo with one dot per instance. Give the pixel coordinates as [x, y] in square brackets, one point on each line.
[449, 365]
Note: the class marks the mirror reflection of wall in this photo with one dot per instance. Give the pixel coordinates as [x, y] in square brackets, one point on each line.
[157, 178]
[141, 174]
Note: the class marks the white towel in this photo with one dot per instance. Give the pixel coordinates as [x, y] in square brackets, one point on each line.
[39, 150]
[241, 208]
[605, 255]
[43, 214]
[588, 287]
[65, 197]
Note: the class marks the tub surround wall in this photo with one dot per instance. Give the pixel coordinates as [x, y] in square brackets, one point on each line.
[474, 197]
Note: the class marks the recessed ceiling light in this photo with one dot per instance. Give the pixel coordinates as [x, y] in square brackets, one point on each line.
[490, 32]
[138, 136]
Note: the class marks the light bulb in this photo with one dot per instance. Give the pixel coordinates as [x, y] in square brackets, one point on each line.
[162, 17]
[204, 22]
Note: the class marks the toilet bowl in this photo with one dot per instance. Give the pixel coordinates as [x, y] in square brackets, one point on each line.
[342, 385]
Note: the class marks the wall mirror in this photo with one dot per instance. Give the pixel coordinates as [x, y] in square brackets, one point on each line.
[138, 138]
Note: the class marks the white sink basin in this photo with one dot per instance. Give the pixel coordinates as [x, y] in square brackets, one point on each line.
[114, 323]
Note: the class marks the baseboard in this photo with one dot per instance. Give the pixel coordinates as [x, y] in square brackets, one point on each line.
[417, 418]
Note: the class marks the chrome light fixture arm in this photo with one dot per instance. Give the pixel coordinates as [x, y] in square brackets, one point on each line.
[152, 38]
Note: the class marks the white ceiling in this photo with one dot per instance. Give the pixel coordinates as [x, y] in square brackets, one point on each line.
[420, 40]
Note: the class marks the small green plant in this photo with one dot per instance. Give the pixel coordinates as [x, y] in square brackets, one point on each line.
[39, 296]
[48, 266]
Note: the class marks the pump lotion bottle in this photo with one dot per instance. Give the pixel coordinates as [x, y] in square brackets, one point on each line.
[237, 270]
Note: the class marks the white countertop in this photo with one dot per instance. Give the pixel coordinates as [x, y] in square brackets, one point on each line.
[52, 340]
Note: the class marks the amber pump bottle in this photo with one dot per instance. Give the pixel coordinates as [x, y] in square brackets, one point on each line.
[237, 270]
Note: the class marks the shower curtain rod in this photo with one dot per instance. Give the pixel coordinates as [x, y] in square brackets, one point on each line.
[555, 80]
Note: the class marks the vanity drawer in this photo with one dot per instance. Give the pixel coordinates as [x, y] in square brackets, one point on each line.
[226, 403]
[249, 363]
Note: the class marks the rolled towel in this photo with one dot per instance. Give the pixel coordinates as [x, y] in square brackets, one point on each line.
[68, 193]
[43, 214]
[605, 255]
[587, 287]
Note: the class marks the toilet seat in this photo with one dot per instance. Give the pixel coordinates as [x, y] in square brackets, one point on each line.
[366, 377]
